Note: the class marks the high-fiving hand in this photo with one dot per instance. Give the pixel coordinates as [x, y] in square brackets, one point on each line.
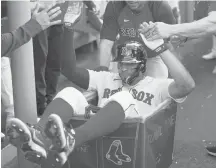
[158, 46]
[46, 16]
[158, 30]
[150, 44]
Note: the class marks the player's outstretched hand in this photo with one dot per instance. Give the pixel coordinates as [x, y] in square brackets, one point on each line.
[158, 30]
[150, 44]
[158, 46]
[46, 17]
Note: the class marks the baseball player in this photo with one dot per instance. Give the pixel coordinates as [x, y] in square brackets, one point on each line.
[124, 18]
[126, 94]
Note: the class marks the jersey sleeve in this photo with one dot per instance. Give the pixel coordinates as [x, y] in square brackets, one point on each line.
[163, 90]
[163, 12]
[110, 27]
[15, 39]
[95, 79]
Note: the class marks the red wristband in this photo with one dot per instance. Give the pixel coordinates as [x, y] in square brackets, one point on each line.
[161, 48]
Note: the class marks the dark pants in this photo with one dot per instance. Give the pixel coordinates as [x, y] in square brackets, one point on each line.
[94, 20]
[201, 9]
[47, 54]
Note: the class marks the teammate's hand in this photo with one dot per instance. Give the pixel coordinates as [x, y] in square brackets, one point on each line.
[46, 16]
[92, 7]
[158, 30]
[96, 11]
[150, 44]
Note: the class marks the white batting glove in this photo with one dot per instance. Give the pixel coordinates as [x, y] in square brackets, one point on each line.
[152, 44]
[156, 45]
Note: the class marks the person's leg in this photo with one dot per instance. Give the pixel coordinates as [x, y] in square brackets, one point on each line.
[53, 66]
[6, 87]
[214, 70]
[106, 120]
[6, 93]
[214, 44]
[176, 14]
[94, 20]
[212, 54]
[67, 102]
[40, 48]
[32, 140]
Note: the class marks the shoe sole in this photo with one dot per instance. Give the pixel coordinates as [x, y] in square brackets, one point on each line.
[19, 136]
[211, 153]
[54, 130]
[208, 59]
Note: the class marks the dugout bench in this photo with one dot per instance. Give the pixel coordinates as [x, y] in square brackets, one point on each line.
[138, 143]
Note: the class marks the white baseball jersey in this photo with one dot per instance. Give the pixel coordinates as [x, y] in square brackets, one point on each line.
[148, 93]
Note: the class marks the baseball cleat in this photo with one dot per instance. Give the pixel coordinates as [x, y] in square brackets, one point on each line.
[23, 137]
[211, 150]
[62, 138]
[209, 56]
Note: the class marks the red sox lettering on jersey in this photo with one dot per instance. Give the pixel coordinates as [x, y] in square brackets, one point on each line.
[138, 95]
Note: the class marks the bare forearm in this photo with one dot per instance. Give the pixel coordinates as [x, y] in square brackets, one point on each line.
[181, 76]
[196, 29]
[105, 52]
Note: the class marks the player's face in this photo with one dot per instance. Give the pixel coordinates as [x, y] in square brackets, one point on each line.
[126, 69]
[135, 5]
